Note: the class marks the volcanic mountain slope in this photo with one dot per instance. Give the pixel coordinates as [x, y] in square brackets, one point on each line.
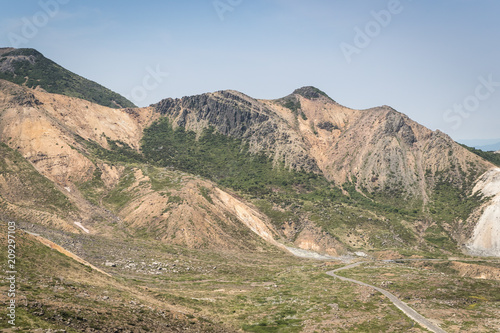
[186, 204]
[91, 154]
[393, 162]
[50, 131]
[377, 149]
[30, 68]
[56, 171]
[68, 295]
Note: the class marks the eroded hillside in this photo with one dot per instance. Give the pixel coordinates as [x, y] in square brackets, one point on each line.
[77, 154]
[378, 149]
[303, 169]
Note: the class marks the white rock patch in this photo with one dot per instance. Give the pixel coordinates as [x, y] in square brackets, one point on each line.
[78, 224]
[486, 238]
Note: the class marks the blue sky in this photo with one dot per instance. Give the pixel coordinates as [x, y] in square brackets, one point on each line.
[436, 61]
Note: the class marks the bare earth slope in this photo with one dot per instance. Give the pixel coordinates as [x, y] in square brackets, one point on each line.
[486, 237]
[52, 133]
[379, 150]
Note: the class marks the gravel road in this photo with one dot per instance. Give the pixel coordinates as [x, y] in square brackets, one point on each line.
[396, 301]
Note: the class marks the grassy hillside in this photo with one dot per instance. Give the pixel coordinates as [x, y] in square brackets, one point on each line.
[487, 155]
[251, 292]
[358, 218]
[217, 292]
[21, 183]
[220, 158]
[72, 297]
[29, 67]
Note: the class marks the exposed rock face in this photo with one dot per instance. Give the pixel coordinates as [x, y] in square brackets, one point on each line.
[242, 117]
[307, 130]
[44, 128]
[377, 149]
[485, 240]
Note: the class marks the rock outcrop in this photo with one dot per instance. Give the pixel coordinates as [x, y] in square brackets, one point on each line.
[378, 148]
[485, 240]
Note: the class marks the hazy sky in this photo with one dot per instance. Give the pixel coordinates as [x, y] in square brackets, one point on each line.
[437, 61]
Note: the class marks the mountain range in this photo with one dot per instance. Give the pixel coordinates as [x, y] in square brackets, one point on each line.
[223, 173]
[493, 147]
[484, 145]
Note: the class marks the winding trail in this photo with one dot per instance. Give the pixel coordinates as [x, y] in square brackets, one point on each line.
[414, 315]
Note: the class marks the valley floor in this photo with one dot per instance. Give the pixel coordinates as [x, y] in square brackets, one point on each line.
[267, 291]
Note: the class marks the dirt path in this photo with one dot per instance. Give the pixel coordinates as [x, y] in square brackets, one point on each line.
[313, 255]
[396, 301]
[62, 250]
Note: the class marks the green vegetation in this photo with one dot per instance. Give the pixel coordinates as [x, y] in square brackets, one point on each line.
[25, 184]
[254, 291]
[57, 293]
[221, 159]
[378, 219]
[448, 203]
[487, 155]
[119, 196]
[292, 104]
[310, 92]
[93, 189]
[328, 126]
[118, 151]
[358, 218]
[205, 192]
[445, 291]
[40, 71]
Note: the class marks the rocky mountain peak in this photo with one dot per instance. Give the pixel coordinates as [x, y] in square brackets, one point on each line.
[310, 92]
[6, 50]
[32, 69]
[20, 52]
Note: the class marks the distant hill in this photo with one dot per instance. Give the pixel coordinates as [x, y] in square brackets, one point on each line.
[30, 68]
[491, 156]
[493, 147]
[483, 144]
